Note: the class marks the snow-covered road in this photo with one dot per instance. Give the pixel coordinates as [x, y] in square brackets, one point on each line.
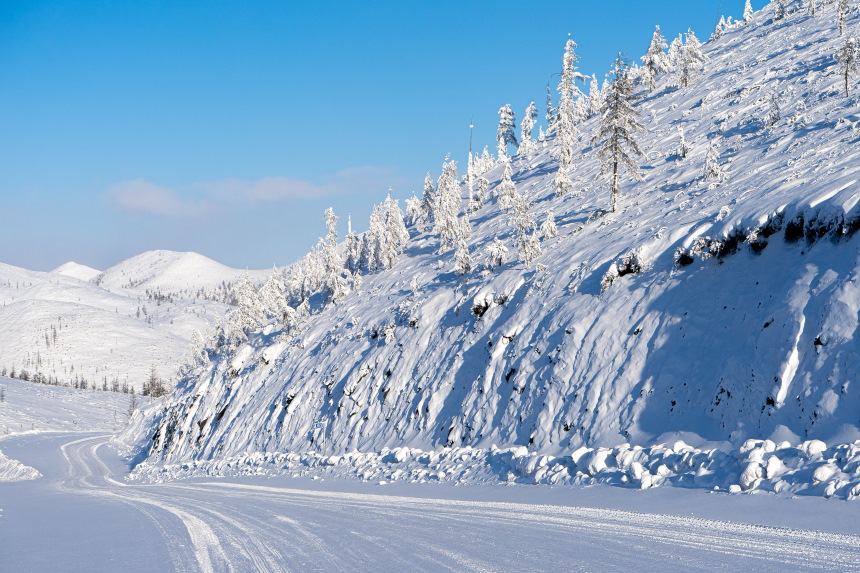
[82, 517]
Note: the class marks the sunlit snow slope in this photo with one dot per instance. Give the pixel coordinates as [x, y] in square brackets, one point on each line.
[78, 323]
[762, 335]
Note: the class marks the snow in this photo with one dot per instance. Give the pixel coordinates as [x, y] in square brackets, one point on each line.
[607, 342]
[52, 319]
[77, 271]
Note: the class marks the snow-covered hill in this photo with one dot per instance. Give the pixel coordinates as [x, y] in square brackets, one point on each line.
[717, 309]
[69, 325]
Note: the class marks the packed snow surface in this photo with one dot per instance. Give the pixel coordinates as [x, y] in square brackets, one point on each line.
[724, 309]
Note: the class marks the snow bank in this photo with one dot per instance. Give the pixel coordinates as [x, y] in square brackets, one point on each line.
[808, 468]
[13, 470]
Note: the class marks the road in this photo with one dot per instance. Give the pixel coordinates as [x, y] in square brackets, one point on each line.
[82, 516]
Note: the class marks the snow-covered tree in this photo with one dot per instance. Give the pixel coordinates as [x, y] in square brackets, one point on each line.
[530, 248]
[849, 62]
[748, 11]
[334, 283]
[719, 28]
[505, 135]
[497, 254]
[527, 144]
[428, 201]
[773, 113]
[462, 258]
[548, 228]
[550, 110]
[396, 235]
[779, 9]
[619, 123]
[273, 295]
[842, 9]
[248, 315]
[480, 164]
[812, 7]
[713, 169]
[447, 209]
[655, 62]
[414, 214]
[506, 190]
[480, 196]
[690, 60]
[683, 148]
[353, 248]
[595, 97]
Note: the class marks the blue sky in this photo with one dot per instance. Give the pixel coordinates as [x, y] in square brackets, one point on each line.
[227, 128]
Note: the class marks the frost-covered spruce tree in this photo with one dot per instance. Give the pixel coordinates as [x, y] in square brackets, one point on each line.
[683, 148]
[550, 110]
[527, 144]
[335, 283]
[249, 314]
[595, 97]
[690, 60]
[462, 258]
[842, 9]
[849, 62]
[414, 215]
[773, 112]
[497, 254]
[370, 258]
[568, 117]
[506, 190]
[719, 28]
[505, 135]
[524, 228]
[655, 62]
[748, 11]
[480, 196]
[447, 225]
[779, 10]
[353, 248]
[396, 235]
[615, 140]
[273, 295]
[530, 248]
[428, 201]
[713, 170]
[548, 228]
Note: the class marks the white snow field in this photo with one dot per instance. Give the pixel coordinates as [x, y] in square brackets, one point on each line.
[704, 335]
[82, 516]
[79, 323]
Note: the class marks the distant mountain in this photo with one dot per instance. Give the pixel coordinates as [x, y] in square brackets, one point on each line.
[77, 271]
[171, 272]
[76, 323]
[720, 301]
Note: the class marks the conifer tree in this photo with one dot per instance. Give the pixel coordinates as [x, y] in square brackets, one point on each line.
[550, 110]
[333, 281]
[595, 97]
[428, 200]
[713, 169]
[812, 7]
[842, 9]
[506, 190]
[690, 60]
[748, 11]
[480, 196]
[527, 144]
[779, 10]
[396, 235]
[773, 112]
[353, 248]
[447, 208]
[548, 227]
[497, 253]
[619, 122]
[683, 148]
[248, 315]
[505, 135]
[655, 61]
[849, 61]
[414, 215]
[462, 258]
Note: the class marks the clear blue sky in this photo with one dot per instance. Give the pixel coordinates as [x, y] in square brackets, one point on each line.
[227, 128]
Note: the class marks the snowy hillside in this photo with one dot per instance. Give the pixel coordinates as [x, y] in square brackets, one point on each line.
[716, 306]
[61, 325]
[169, 272]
